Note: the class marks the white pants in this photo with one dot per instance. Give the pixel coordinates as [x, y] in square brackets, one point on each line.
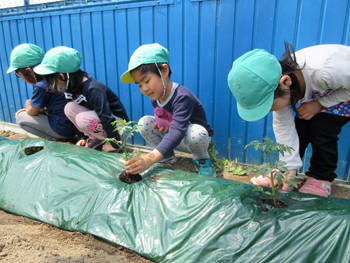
[195, 142]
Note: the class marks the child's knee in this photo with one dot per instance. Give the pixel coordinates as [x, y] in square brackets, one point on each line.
[198, 131]
[146, 120]
[197, 134]
[69, 109]
[147, 123]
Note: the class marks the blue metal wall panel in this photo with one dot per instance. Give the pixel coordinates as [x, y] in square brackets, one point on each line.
[222, 95]
[203, 38]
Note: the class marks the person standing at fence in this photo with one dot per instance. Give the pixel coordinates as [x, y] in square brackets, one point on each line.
[43, 114]
[92, 107]
[318, 78]
[188, 130]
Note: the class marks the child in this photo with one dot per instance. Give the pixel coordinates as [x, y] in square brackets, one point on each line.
[189, 130]
[92, 107]
[43, 115]
[318, 78]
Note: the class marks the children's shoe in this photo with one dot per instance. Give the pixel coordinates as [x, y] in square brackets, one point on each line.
[316, 187]
[204, 167]
[263, 181]
[169, 158]
[93, 143]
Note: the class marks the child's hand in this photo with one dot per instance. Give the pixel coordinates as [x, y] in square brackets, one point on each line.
[140, 164]
[81, 143]
[161, 129]
[309, 109]
[137, 165]
[18, 112]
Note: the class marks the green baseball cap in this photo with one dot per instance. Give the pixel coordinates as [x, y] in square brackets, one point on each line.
[253, 80]
[25, 55]
[59, 60]
[146, 54]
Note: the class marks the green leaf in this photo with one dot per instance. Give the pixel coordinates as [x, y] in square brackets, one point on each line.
[267, 193]
[272, 150]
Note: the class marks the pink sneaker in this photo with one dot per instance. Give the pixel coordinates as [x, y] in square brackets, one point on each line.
[263, 181]
[316, 187]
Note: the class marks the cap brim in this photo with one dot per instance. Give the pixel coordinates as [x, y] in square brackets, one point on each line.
[43, 71]
[256, 113]
[126, 78]
[11, 69]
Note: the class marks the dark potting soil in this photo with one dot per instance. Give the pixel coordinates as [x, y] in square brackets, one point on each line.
[129, 178]
[32, 150]
[279, 204]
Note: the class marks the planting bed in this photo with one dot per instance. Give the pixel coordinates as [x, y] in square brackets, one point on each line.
[26, 240]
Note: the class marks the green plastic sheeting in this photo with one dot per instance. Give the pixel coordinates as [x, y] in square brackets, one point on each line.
[171, 215]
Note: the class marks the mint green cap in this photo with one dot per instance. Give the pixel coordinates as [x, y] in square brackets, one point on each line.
[59, 60]
[25, 55]
[146, 54]
[253, 80]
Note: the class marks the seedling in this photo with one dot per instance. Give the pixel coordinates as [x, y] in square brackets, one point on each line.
[218, 164]
[278, 171]
[127, 130]
[234, 167]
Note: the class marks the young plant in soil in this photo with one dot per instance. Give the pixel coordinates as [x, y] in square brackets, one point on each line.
[218, 164]
[278, 171]
[235, 168]
[127, 130]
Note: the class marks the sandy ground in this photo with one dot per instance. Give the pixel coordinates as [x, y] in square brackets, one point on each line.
[26, 240]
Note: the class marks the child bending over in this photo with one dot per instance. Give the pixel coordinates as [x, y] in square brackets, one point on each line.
[318, 78]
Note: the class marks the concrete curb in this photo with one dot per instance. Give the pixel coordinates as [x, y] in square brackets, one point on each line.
[7, 126]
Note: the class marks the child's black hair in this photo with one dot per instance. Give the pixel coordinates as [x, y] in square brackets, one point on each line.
[145, 68]
[74, 85]
[27, 75]
[289, 66]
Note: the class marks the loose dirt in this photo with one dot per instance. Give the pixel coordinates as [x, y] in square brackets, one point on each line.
[26, 240]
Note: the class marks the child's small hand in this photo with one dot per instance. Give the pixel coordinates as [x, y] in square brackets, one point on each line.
[161, 129]
[81, 143]
[309, 109]
[137, 165]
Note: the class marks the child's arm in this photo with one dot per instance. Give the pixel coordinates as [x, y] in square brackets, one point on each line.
[32, 111]
[286, 133]
[140, 164]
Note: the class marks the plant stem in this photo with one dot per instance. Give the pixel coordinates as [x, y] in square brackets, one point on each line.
[125, 150]
[272, 177]
[273, 187]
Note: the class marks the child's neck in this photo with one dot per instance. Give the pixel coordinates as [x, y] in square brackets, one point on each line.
[169, 86]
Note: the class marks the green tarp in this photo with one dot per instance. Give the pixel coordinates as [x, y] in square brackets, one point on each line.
[171, 215]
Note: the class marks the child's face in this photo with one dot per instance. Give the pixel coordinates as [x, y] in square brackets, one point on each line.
[282, 102]
[31, 79]
[150, 84]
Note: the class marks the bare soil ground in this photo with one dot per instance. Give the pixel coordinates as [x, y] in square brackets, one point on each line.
[26, 240]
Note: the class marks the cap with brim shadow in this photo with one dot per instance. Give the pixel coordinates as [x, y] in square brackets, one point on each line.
[24, 56]
[59, 60]
[146, 54]
[253, 80]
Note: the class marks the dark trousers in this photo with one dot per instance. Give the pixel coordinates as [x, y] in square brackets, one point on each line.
[322, 132]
